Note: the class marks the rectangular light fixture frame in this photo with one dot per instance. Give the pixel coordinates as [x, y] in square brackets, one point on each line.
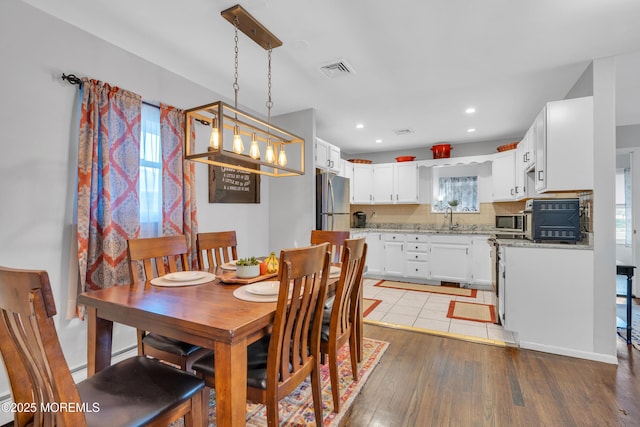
[227, 117]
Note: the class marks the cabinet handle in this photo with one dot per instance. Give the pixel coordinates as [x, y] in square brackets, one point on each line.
[540, 175]
[512, 191]
[396, 197]
[391, 197]
[416, 256]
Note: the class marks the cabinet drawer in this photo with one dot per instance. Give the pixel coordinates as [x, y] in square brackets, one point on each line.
[417, 247]
[450, 239]
[417, 238]
[417, 269]
[417, 256]
[394, 237]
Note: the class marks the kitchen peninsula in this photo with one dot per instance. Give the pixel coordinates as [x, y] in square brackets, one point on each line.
[541, 286]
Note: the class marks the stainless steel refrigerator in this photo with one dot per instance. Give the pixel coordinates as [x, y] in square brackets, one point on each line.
[332, 202]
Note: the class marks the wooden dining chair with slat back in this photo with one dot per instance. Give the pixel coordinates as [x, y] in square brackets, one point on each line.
[159, 256]
[340, 321]
[133, 392]
[216, 248]
[281, 361]
[334, 238]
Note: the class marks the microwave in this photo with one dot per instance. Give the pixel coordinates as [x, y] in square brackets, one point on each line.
[553, 220]
[512, 223]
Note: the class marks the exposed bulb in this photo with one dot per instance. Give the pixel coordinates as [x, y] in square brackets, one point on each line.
[270, 156]
[238, 146]
[282, 157]
[254, 149]
[214, 139]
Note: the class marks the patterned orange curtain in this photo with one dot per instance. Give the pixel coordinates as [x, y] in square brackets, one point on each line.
[178, 181]
[108, 171]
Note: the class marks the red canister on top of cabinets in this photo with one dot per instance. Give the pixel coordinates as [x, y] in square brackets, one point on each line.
[441, 151]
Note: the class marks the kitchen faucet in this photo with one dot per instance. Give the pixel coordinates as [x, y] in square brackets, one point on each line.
[448, 213]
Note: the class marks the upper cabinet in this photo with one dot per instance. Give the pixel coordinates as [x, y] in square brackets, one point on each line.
[385, 183]
[327, 156]
[503, 176]
[564, 146]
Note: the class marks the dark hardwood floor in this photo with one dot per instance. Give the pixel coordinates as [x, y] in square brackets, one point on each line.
[427, 380]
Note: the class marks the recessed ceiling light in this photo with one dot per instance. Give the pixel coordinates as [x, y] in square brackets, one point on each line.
[359, 126]
[470, 110]
[471, 130]
[378, 141]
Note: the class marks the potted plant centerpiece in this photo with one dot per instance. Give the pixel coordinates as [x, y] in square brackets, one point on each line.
[247, 268]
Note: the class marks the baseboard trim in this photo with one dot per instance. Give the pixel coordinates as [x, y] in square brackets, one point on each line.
[598, 357]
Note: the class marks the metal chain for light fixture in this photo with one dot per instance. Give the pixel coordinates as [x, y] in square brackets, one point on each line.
[269, 101]
[236, 87]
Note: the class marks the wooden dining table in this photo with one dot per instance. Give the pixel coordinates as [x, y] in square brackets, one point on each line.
[207, 315]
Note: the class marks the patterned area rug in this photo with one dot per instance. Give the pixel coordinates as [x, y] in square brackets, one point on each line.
[297, 408]
[621, 312]
[445, 290]
[472, 311]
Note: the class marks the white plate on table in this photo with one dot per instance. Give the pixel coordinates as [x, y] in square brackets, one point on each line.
[184, 276]
[202, 278]
[267, 287]
[231, 265]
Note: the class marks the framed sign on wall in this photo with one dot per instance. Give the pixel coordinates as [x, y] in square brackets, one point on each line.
[233, 186]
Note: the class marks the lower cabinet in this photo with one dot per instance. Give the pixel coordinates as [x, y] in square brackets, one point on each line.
[427, 256]
[481, 263]
[394, 254]
[375, 253]
[450, 262]
[417, 256]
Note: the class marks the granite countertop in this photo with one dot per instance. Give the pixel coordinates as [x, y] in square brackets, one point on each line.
[472, 230]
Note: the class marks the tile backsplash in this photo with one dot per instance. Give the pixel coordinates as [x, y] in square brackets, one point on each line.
[421, 214]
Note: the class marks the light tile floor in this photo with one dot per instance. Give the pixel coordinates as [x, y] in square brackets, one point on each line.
[427, 310]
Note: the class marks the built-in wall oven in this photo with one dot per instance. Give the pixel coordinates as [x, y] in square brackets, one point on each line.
[553, 220]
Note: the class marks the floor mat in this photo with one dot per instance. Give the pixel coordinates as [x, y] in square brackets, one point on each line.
[472, 311]
[445, 290]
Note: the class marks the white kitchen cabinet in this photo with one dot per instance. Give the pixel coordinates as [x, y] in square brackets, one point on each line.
[449, 258]
[503, 176]
[327, 156]
[417, 256]
[394, 254]
[405, 181]
[480, 253]
[362, 184]
[564, 146]
[375, 253]
[383, 183]
[549, 297]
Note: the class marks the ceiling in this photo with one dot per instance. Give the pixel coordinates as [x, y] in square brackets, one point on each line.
[416, 65]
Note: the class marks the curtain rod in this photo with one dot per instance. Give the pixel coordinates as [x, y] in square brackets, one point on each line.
[75, 80]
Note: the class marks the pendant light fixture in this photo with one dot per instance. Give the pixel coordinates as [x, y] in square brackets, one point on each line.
[230, 124]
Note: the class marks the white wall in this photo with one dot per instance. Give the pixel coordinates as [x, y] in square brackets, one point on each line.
[38, 152]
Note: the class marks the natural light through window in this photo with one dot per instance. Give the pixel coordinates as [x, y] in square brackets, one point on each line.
[150, 172]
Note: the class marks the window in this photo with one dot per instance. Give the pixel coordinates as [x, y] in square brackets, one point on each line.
[150, 184]
[623, 207]
[459, 192]
[456, 186]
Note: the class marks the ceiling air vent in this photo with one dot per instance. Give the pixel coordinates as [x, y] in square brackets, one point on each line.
[406, 131]
[337, 68]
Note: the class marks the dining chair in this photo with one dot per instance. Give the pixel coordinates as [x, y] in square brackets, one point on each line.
[218, 247]
[159, 256]
[339, 323]
[334, 238]
[279, 362]
[134, 392]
